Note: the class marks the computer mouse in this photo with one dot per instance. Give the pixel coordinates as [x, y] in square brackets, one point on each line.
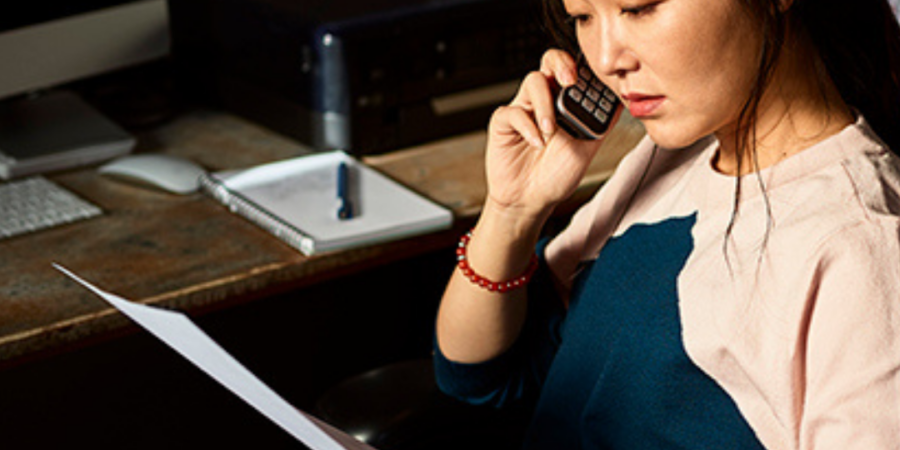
[166, 172]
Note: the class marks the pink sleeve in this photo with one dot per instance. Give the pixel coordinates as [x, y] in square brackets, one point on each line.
[852, 379]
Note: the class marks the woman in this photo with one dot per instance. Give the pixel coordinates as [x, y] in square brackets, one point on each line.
[736, 284]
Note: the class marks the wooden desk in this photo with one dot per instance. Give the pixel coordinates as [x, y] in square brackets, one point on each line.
[191, 254]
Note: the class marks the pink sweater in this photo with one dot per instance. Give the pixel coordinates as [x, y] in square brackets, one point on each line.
[797, 318]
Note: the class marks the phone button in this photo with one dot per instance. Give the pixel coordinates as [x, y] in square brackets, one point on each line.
[576, 95]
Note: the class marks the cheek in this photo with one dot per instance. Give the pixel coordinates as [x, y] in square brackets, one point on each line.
[696, 111]
[706, 83]
[699, 101]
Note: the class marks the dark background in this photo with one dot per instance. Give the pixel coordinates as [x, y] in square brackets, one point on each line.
[134, 392]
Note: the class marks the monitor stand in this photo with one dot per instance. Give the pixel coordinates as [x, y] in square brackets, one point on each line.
[56, 131]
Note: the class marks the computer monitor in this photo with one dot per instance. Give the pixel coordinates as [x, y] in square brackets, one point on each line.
[47, 44]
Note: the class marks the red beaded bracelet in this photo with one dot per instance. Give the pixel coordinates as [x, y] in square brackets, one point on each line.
[493, 286]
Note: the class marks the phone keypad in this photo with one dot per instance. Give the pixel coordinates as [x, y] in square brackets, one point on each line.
[590, 103]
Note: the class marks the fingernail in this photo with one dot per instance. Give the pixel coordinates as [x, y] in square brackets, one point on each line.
[546, 126]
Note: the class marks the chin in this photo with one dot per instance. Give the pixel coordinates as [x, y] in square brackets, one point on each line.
[672, 136]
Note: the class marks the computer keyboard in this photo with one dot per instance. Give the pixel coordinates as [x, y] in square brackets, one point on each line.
[37, 203]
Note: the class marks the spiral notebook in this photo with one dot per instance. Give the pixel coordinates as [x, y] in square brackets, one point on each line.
[297, 201]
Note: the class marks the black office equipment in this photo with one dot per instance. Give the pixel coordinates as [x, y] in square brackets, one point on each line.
[365, 76]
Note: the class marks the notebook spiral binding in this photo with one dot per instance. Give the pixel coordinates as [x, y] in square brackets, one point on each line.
[249, 210]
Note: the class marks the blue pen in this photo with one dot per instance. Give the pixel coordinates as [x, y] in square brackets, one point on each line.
[345, 207]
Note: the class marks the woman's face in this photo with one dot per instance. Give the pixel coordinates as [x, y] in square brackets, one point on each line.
[683, 67]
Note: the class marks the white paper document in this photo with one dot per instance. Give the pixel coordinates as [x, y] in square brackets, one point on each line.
[181, 334]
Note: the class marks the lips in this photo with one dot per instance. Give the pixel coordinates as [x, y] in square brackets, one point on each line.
[642, 105]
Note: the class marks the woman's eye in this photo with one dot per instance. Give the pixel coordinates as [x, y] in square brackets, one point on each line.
[578, 19]
[638, 11]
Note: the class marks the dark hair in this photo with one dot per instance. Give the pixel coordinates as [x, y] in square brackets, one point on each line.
[857, 41]
[859, 44]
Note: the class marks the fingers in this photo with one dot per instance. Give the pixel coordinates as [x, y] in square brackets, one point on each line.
[536, 95]
[532, 113]
[538, 89]
[559, 65]
[514, 121]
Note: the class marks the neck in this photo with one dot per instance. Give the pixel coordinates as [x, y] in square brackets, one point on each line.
[799, 108]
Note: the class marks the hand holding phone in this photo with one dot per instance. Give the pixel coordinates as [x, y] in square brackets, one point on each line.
[586, 109]
[533, 180]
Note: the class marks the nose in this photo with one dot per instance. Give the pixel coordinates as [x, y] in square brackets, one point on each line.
[612, 55]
